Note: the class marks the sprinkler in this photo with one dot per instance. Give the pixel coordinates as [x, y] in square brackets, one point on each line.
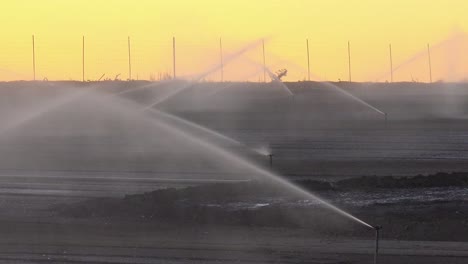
[271, 160]
[377, 233]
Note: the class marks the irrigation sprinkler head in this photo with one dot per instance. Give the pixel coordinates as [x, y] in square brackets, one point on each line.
[271, 159]
[377, 228]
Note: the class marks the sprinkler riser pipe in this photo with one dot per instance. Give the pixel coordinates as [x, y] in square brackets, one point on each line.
[377, 236]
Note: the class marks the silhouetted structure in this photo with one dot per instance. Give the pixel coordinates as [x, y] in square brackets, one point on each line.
[281, 73]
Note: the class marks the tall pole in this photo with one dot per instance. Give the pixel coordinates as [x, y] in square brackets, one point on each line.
[129, 61]
[83, 61]
[391, 64]
[308, 60]
[264, 63]
[430, 65]
[34, 58]
[349, 61]
[221, 57]
[173, 57]
[377, 234]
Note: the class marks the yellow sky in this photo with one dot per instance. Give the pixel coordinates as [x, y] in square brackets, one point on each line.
[370, 25]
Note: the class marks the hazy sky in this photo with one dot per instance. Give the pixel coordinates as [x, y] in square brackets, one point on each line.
[370, 25]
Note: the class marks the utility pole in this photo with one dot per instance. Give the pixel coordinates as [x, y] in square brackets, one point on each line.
[349, 61]
[221, 57]
[34, 58]
[308, 60]
[129, 61]
[430, 64]
[83, 60]
[264, 63]
[391, 64]
[174, 56]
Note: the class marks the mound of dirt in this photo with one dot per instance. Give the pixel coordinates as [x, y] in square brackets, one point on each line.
[216, 204]
[455, 179]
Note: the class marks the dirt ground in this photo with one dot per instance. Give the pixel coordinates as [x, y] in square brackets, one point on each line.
[91, 242]
[90, 149]
[33, 232]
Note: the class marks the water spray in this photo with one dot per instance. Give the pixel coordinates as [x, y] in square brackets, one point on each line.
[358, 99]
[205, 130]
[260, 171]
[423, 54]
[50, 106]
[384, 114]
[134, 89]
[377, 235]
[216, 67]
[231, 84]
[242, 162]
[274, 77]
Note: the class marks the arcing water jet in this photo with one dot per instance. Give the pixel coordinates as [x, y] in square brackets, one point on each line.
[43, 109]
[350, 95]
[225, 86]
[215, 68]
[242, 162]
[260, 171]
[355, 98]
[273, 77]
[456, 37]
[203, 129]
[150, 85]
